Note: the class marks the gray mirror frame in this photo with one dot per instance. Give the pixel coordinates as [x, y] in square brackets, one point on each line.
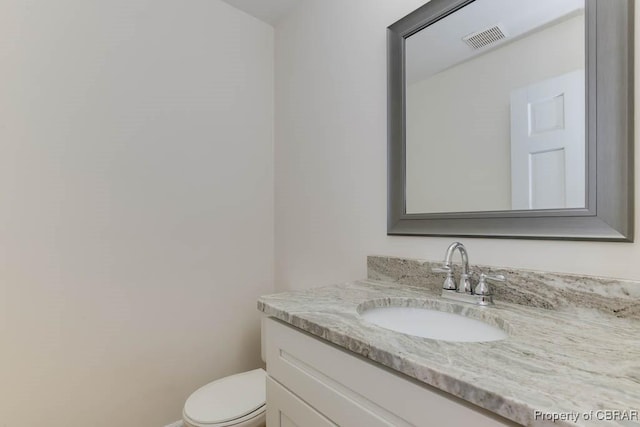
[609, 213]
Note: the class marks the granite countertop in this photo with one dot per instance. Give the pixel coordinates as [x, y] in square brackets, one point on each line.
[569, 361]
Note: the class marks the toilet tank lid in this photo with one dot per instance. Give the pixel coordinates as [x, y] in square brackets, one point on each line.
[228, 398]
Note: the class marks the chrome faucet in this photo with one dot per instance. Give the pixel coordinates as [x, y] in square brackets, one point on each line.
[464, 291]
[464, 285]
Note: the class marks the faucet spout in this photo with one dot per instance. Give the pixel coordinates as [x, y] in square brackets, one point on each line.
[464, 286]
[463, 290]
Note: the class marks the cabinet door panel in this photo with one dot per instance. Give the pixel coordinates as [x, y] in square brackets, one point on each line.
[284, 409]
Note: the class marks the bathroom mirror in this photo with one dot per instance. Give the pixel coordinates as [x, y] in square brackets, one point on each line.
[512, 119]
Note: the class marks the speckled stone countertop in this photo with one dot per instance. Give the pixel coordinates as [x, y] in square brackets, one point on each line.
[573, 360]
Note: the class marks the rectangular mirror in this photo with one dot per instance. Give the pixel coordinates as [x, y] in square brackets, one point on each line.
[512, 119]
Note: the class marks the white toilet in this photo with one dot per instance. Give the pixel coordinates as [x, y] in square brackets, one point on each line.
[237, 400]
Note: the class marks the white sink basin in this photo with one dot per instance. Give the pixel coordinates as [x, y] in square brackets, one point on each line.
[437, 325]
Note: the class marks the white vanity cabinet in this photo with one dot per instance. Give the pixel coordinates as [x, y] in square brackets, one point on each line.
[313, 383]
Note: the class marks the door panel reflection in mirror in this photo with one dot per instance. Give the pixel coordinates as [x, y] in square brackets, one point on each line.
[547, 172]
[548, 155]
[493, 70]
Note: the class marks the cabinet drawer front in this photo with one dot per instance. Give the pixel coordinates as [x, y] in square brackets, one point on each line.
[284, 409]
[352, 391]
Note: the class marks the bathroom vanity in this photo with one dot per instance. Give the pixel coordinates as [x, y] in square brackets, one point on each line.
[329, 366]
[313, 383]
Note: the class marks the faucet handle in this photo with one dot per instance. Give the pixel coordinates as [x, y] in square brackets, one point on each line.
[482, 288]
[449, 284]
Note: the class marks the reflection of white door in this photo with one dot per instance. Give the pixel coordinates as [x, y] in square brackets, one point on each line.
[548, 144]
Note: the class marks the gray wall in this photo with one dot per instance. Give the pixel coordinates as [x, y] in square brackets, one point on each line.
[136, 194]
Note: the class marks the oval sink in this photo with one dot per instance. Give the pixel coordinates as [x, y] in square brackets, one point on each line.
[434, 324]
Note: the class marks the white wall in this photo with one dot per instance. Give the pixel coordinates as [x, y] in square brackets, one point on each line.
[331, 158]
[136, 205]
[460, 120]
